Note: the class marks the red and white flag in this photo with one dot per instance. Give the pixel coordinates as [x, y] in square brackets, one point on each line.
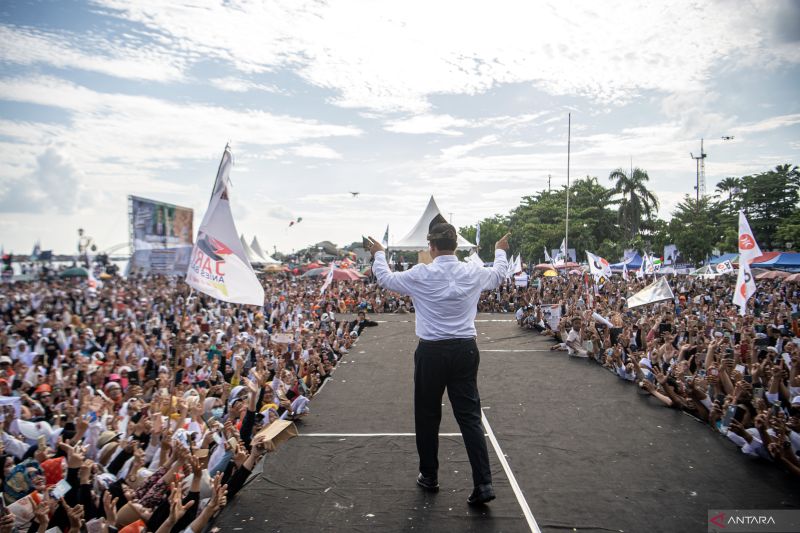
[219, 266]
[748, 247]
[745, 286]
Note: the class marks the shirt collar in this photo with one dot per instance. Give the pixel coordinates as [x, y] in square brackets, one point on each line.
[445, 258]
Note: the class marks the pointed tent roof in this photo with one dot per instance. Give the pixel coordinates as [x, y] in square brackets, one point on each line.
[251, 255]
[417, 238]
[266, 258]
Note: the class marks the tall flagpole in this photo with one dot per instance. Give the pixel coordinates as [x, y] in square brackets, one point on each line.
[566, 228]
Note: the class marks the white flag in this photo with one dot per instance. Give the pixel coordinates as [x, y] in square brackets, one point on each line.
[748, 247]
[547, 258]
[657, 291]
[510, 267]
[478, 235]
[385, 240]
[328, 279]
[745, 287]
[598, 267]
[625, 271]
[219, 265]
[518, 264]
[649, 267]
[724, 267]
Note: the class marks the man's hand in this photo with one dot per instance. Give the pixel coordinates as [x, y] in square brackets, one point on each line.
[502, 244]
[374, 246]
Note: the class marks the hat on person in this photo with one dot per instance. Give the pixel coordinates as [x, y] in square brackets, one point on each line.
[796, 400]
[772, 349]
[106, 437]
[6, 360]
[235, 394]
[44, 387]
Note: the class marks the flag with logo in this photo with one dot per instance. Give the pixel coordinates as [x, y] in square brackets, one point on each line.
[328, 279]
[625, 271]
[219, 265]
[649, 266]
[745, 287]
[598, 267]
[658, 291]
[385, 240]
[724, 268]
[748, 247]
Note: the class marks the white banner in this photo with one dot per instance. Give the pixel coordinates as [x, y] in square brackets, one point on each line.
[658, 291]
[552, 315]
[724, 267]
[219, 266]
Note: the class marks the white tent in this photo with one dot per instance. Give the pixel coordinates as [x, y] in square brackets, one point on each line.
[417, 238]
[265, 258]
[251, 255]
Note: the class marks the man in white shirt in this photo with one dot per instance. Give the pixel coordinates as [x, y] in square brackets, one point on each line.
[445, 295]
[574, 340]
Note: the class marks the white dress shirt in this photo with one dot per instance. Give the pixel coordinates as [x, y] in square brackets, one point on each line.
[445, 292]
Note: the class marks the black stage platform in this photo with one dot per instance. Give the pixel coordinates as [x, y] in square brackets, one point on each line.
[588, 452]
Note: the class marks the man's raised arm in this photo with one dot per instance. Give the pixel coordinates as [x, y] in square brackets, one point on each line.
[492, 277]
[394, 281]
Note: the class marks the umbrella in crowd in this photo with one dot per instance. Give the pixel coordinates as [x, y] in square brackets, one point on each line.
[75, 272]
[339, 274]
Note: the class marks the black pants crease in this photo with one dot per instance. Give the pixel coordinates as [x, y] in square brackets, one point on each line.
[451, 365]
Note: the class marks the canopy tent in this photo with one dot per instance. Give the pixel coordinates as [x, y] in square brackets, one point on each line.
[251, 255]
[733, 258]
[633, 263]
[417, 238]
[773, 274]
[789, 261]
[265, 258]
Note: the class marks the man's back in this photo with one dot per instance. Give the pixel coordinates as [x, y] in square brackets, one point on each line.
[445, 292]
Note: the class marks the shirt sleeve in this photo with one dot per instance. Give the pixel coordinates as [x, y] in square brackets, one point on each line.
[492, 277]
[400, 282]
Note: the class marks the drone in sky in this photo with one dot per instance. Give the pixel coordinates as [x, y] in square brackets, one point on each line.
[727, 137]
[355, 194]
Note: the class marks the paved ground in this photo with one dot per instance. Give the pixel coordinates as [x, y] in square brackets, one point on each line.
[588, 452]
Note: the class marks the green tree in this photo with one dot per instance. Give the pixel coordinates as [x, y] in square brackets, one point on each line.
[695, 227]
[636, 202]
[768, 199]
[492, 229]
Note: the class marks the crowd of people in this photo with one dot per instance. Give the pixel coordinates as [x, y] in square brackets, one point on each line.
[139, 405]
[738, 374]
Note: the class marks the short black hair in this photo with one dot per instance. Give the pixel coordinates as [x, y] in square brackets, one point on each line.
[443, 236]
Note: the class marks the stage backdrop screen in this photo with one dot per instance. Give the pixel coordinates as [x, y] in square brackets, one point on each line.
[161, 236]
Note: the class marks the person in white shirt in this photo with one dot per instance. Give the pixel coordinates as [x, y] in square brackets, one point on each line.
[445, 295]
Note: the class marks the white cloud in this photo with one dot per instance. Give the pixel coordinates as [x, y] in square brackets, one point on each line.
[394, 56]
[240, 85]
[130, 59]
[427, 123]
[54, 186]
[113, 135]
[317, 151]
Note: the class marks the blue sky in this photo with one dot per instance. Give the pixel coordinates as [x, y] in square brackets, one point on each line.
[397, 100]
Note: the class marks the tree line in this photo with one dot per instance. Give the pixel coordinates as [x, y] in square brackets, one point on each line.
[606, 220]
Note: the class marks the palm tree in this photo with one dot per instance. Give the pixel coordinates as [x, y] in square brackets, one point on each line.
[636, 202]
[729, 185]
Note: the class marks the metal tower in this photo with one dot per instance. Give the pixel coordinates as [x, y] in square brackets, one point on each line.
[700, 187]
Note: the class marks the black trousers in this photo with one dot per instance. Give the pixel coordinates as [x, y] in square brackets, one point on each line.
[452, 365]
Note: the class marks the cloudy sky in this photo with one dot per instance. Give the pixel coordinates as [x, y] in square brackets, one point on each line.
[397, 100]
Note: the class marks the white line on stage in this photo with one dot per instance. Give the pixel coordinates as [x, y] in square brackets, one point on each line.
[372, 434]
[526, 510]
[513, 351]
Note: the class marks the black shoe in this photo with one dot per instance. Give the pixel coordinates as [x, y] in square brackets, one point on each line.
[481, 494]
[430, 484]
